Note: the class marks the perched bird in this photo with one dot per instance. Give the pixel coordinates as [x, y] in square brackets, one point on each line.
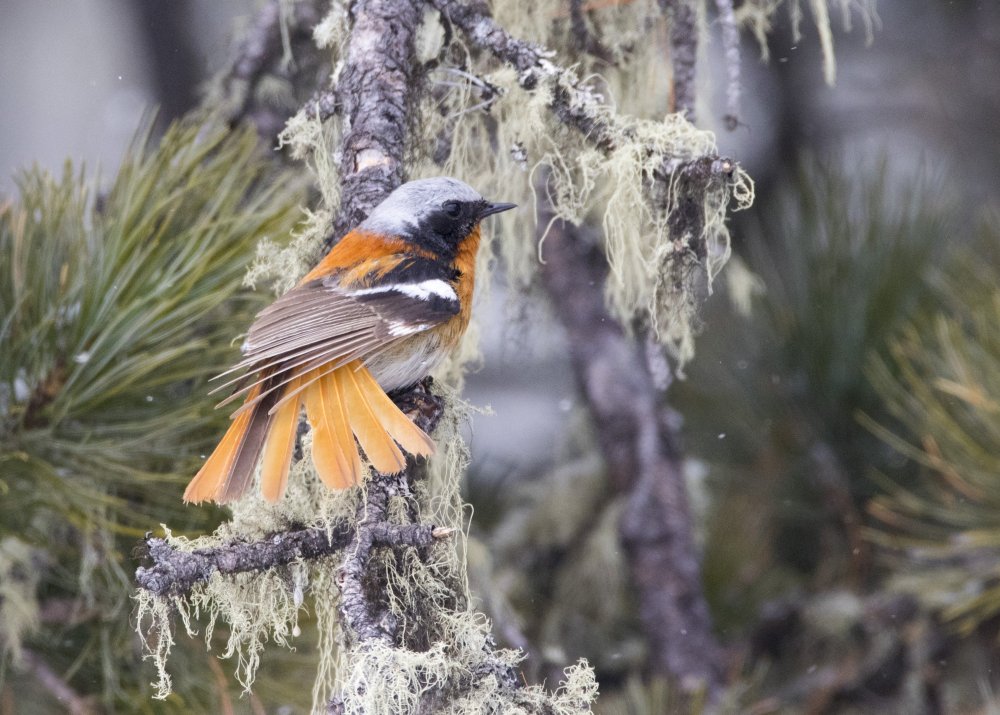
[378, 313]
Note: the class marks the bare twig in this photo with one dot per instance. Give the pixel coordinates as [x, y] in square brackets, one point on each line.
[643, 460]
[66, 611]
[56, 685]
[889, 643]
[683, 17]
[322, 105]
[582, 36]
[831, 476]
[731, 47]
[221, 688]
[261, 48]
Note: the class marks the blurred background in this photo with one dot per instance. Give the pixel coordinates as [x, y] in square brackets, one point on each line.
[841, 421]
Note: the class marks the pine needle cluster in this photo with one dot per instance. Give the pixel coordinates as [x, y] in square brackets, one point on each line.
[942, 383]
[834, 265]
[116, 308]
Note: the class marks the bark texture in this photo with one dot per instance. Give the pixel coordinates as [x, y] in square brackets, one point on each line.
[731, 47]
[375, 93]
[683, 53]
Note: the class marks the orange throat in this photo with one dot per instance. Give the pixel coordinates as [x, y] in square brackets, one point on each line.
[465, 262]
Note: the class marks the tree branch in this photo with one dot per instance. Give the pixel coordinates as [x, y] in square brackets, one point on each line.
[643, 459]
[322, 105]
[683, 53]
[585, 40]
[259, 50]
[573, 102]
[175, 572]
[731, 47]
[56, 685]
[375, 92]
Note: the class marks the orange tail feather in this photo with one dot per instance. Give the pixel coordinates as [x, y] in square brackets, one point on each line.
[341, 428]
[211, 480]
[341, 405]
[379, 447]
[400, 427]
[328, 455]
[278, 448]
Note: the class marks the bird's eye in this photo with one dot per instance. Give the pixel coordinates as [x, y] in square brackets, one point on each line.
[453, 208]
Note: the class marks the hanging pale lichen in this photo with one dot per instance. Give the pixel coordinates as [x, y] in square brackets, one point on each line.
[757, 16]
[657, 266]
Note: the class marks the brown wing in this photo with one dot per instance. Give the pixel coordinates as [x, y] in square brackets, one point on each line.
[319, 325]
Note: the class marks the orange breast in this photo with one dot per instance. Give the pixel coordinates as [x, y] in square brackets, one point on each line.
[465, 262]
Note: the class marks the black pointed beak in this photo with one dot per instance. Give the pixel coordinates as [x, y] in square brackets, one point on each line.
[490, 209]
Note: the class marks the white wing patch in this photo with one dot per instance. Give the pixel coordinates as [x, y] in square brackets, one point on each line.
[422, 291]
[398, 329]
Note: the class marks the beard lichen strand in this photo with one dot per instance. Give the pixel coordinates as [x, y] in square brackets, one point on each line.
[758, 16]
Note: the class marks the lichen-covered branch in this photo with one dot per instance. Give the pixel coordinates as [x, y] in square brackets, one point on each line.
[175, 572]
[364, 614]
[375, 94]
[574, 103]
[644, 463]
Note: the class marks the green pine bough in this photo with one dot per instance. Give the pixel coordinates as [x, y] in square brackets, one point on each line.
[115, 309]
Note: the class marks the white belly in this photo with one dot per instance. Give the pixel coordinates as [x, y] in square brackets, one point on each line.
[407, 363]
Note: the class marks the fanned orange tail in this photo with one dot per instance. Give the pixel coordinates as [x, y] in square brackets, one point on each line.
[341, 405]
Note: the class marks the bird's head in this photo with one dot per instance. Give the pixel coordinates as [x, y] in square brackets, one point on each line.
[437, 213]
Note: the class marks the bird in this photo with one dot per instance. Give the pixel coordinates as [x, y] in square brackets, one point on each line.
[378, 313]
